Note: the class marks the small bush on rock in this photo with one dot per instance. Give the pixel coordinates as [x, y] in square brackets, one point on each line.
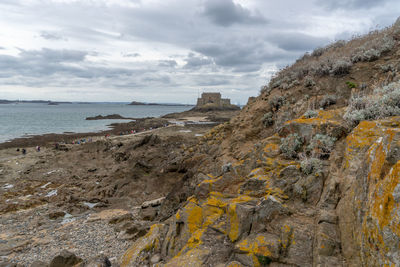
[321, 145]
[311, 165]
[318, 52]
[384, 102]
[268, 119]
[311, 114]
[351, 85]
[327, 101]
[309, 82]
[290, 145]
[341, 67]
[276, 102]
[321, 68]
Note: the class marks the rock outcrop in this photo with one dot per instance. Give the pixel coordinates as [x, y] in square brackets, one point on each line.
[334, 200]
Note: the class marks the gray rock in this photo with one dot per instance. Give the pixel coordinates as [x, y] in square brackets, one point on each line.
[227, 168]
[39, 264]
[65, 259]
[56, 214]
[99, 261]
[155, 259]
[153, 203]
[149, 213]
[269, 209]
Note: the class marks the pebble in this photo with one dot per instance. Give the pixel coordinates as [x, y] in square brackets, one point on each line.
[44, 241]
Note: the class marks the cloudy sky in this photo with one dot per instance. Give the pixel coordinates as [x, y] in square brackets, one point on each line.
[166, 50]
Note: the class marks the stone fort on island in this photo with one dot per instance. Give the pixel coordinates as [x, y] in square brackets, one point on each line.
[214, 101]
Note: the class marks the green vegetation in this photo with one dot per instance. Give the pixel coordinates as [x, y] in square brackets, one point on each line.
[264, 260]
[351, 85]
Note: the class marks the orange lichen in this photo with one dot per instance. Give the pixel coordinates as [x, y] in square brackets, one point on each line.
[259, 246]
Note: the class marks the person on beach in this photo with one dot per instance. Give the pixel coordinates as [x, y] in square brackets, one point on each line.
[38, 148]
[23, 151]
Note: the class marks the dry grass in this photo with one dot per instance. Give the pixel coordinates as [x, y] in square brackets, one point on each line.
[337, 59]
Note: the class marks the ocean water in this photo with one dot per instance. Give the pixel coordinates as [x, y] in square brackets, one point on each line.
[24, 119]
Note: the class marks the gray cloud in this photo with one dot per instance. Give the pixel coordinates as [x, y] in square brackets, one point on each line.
[194, 62]
[167, 63]
[226, 12]
[52, 36]
[298, 41]
[242, 56]
[346, 4]
[181, 45]
[130, 54]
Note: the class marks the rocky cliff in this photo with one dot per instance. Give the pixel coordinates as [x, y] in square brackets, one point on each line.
[306, 175]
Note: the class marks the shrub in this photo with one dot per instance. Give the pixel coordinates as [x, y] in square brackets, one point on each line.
[268, 119]
[265, 89]
[311, 165]
[318, 52]
[290, 145]
[374, 51]
[264, 260]
[387, 44]
[371, 55]
[351, 85]
[321, 68]
[276, 102]
[327, 100]
[311, 114]
[384, 102]
[387, 68]
[321, 145]
[309, 82]
[341, 67]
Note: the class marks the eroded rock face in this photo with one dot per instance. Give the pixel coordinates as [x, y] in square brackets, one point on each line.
[369, 209]
[265, 210]
[249, 214]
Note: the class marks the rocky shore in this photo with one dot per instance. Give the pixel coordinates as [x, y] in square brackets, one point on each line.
[89, 198]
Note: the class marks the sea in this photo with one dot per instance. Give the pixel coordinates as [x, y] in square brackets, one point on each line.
[26, 119]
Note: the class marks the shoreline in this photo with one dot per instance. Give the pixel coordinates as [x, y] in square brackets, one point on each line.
[139, 125]
[120, 128]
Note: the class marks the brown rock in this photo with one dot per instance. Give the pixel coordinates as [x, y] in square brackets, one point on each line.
[65, 259]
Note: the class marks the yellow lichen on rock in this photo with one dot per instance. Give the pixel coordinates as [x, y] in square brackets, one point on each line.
[192, 258]
[146, 243]
[256, 247]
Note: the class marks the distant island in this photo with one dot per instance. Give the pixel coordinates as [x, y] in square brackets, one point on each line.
[48, 102]
[136, 103]
[109, 117]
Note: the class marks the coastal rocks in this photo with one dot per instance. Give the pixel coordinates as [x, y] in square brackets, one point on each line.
[368, 210]
[109, 117]
[65, 259]
[327, 122]
[99, 261]
[56, 214]
[139, 251]
[150, 209]
[111, 216]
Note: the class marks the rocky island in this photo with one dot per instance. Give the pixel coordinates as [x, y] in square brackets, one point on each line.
[306, 174]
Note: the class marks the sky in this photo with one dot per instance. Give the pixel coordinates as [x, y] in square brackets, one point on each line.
[166, 51]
